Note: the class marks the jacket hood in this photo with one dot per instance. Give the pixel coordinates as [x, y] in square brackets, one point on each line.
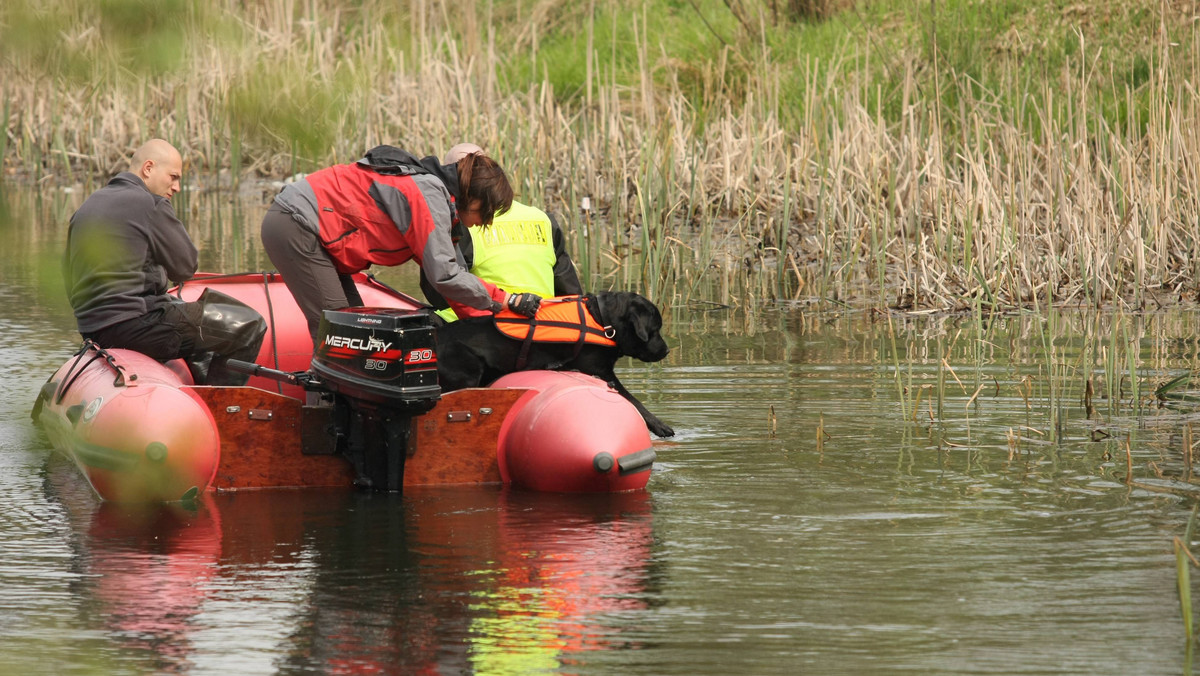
[393, 161]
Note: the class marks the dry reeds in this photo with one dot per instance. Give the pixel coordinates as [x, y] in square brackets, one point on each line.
[971, 206]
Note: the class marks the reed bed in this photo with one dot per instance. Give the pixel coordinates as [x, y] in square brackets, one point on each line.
[745, 195]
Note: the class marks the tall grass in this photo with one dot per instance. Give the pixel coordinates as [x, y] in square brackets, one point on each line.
[740, 175]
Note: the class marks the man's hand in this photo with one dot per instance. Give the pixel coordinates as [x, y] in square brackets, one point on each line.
[524, 303]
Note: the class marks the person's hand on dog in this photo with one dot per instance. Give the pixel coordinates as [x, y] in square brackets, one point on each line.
[524, 303]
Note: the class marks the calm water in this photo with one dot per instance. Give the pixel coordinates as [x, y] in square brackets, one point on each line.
[821, 511]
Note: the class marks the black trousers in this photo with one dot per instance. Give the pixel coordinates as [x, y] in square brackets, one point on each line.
[181, 330]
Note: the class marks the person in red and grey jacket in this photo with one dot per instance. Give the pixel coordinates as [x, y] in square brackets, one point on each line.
[385, 209]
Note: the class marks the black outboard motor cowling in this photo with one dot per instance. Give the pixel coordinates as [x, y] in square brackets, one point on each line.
[382, 362]
[383, 356]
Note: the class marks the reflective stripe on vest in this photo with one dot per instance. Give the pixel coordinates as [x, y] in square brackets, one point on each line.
[516, 252]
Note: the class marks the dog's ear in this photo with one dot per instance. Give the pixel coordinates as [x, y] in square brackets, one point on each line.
[647, 318]
[634, 311]
[638, 310]
[641, 326]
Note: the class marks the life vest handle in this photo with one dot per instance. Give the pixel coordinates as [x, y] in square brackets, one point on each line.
[609, 332]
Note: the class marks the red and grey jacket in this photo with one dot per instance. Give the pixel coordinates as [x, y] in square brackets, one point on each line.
[385, 209]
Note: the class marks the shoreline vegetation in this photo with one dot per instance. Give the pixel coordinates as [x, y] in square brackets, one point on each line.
[920, 156]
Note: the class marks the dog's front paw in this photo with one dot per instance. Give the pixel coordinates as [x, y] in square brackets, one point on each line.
[659, 428]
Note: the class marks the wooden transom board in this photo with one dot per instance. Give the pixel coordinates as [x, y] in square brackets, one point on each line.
[456, 441]
[262, 440]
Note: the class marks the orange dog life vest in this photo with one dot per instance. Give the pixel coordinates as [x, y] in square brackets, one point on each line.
[564, 319]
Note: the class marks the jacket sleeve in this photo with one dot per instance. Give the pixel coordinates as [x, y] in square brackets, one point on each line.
[566, 280]
[428, 234]
[170, 245]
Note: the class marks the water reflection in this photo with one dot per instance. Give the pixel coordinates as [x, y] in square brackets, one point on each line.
[847, 493]
[477, 579]
[559, 577]
[145, 574]
[438, 581]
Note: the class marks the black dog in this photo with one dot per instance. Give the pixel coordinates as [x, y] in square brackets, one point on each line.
[473, 352]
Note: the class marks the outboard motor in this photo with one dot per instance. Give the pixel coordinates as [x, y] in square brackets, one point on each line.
[381, 363]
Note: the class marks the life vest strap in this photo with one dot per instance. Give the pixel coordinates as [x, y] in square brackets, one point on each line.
[555, 323]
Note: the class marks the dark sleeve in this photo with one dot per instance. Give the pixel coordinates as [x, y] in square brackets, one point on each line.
[432, 296]
[170, 245]
[461, 235]
[566, 280]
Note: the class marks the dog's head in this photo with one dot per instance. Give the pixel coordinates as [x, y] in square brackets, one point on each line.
[637, 322]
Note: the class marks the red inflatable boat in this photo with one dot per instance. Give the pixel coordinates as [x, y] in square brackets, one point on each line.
[142, 431]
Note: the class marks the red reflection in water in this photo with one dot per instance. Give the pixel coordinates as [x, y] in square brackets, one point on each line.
[436, 581]
[566, 564]
[150, 565]
[479, 580]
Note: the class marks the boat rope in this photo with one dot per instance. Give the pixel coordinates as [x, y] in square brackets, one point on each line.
[72, 374]
[271, 318]
[375, 280]
[210, 277]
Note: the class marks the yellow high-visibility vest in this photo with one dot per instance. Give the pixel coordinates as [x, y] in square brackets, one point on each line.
[515, 252]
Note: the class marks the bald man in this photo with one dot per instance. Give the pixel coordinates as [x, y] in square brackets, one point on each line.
[124, 245]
